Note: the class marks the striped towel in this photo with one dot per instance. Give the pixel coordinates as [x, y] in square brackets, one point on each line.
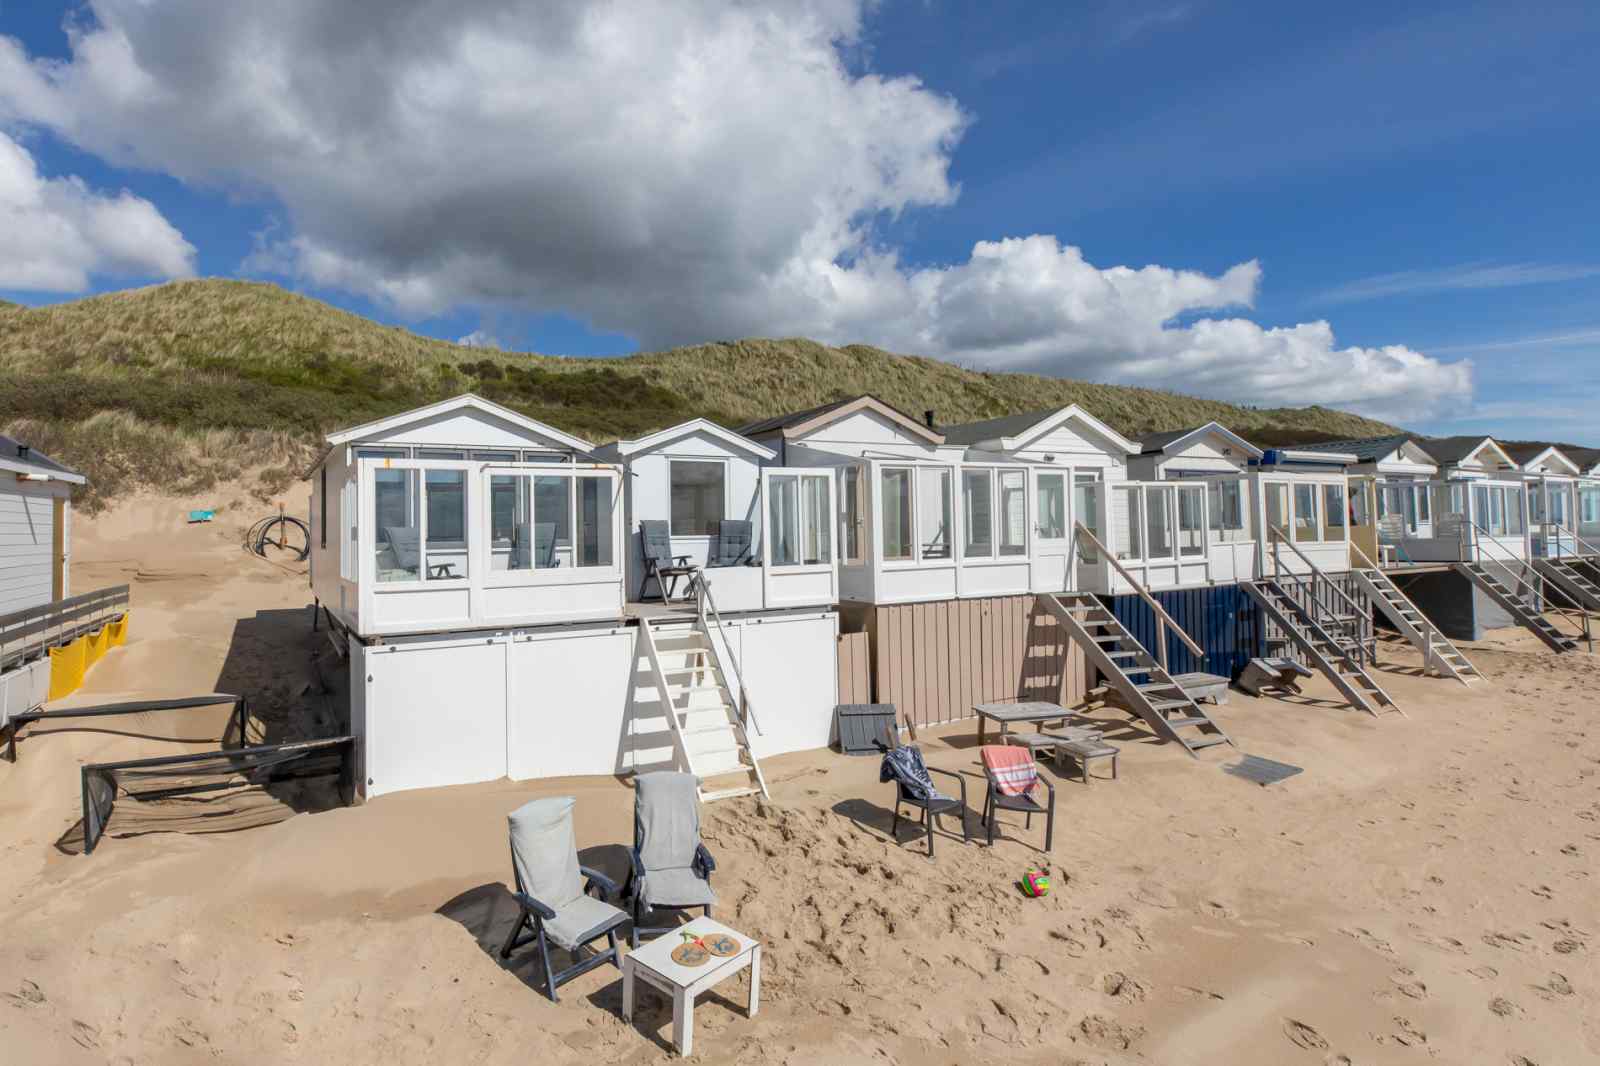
[1011, 769]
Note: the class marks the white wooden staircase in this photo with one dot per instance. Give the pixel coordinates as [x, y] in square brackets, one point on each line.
[1438, 653]
[707, 709]
[1129, 668]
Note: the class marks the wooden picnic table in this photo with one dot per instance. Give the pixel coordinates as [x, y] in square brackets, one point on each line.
[1009, 714]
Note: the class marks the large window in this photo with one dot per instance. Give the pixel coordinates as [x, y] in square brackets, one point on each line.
[1013, 512]
[397, 525]
[1086, 492]
[532, 519]
[593, 543]
[446, 493]
[1558, 506]
[1052, 504]
[699, 489]
[977, 510]
[1588, 511]
[1230, 520]
[800, 526]
[552, 520]
[1127, 523]
[1158, 522]
[1514, 507]
[1333, 512]
[895, 485]
[1277, 508]
[854, 512]
[933, 512]
[1306, 526]
[1191, 520]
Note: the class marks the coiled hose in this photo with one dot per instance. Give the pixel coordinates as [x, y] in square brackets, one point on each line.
[276, 530]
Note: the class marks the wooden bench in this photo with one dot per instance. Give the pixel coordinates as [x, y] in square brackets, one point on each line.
[1085, 751]
[1197, 687]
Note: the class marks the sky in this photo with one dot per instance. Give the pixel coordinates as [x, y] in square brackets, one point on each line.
[1386, 208]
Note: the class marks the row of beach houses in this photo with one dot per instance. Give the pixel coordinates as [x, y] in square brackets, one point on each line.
[493, 581]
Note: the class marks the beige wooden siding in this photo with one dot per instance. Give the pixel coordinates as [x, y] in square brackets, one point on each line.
[855, 668]
[934, 661]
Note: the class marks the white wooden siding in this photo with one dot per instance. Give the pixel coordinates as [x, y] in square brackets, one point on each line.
[25, 547]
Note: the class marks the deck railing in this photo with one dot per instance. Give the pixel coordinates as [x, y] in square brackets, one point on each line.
[26, 634]
[1529, 577]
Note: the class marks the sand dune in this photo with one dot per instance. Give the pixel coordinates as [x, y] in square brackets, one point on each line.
[1424, 892]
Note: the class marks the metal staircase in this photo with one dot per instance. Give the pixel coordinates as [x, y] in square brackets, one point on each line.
[1142, 682]
[706, 715]
[1519, 606]
[1572, 580]
[1339, 659]
[1438, 653]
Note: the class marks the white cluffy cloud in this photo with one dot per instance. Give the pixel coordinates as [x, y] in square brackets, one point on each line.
[58, 231]
[673, 170]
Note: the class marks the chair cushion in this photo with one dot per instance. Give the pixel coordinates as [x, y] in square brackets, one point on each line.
[680, 887]
[544, 851]
[581, 921]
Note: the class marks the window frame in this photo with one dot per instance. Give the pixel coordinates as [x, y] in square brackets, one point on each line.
[721, 462]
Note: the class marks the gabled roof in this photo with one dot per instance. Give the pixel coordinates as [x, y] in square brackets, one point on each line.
[799, 423]
[694, 425]
[1588, 459]
[22, 460]
[1365, 449]
[1177, 439]
[1016, 431]
[1529, 454]
[1447, 450]
[466, 401]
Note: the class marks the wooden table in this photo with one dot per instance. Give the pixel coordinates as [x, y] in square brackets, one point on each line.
[1009, 714]
[653, 965]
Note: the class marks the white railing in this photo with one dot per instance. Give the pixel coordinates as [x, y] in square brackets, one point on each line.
[711, 622]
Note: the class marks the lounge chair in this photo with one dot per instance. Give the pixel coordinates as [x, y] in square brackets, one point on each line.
[406, 543]
[733, 543]
[659, 562]
[556, 902]
[913, 787]
[1013, 777]
[671, 866]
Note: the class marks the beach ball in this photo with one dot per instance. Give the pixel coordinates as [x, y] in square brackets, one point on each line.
[1035, 883]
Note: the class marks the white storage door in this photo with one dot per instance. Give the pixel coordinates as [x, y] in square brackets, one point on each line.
[568, 701]
[435, 715]
[791, 668]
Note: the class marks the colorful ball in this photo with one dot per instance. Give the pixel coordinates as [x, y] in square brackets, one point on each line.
[1035, 883]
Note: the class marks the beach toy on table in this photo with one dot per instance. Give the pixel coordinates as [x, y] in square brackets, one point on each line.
[1035, 883]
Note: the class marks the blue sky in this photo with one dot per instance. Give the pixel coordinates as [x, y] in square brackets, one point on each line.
[1421, 179]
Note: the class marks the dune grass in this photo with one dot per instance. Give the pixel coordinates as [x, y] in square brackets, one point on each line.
[273, 370]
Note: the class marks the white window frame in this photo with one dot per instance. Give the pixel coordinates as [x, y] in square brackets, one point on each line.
[727, 492]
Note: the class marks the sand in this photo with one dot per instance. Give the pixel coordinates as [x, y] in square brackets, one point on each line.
[1423, 892]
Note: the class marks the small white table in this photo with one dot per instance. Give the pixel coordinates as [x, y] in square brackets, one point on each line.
[653, 965]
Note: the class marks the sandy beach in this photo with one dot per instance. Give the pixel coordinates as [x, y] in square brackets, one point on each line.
[1425, 891]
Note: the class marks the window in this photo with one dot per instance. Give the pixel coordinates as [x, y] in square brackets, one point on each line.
[1306, 527]
[1052, 503]
[1013, 512]
[854, 484]
[1424, 512]
[1191, 520]
[396, 530]
[593, 542]
[1480, 506]
[1277, 508]
[896, 487]
[510, 534]
[1514, 511]
[1333, 506]
[800, 525]
[1086, 505]
[446, 496]
[1127, 523]
[1536, 506]
[977, 510]
[933, 512]
[440, 453]
[1158, 522]
[494, 457]
[1226, 499]
[552, 521]
[1588, 510]
[1497, 511]
[1358, 506]
[1558, 506]
[698, 494]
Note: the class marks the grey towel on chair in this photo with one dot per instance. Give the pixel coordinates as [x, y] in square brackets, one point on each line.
[666, 831]
[544, 851]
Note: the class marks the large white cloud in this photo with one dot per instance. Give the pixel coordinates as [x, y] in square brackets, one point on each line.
[56, 232]
[675, 170]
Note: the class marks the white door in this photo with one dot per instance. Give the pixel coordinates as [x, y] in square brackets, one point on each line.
[799, 559]
[1051, 530]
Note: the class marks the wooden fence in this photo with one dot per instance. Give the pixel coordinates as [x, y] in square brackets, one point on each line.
[934, 661]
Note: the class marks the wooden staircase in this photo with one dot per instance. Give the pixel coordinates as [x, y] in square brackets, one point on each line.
[1341, 659]
[705, 714]
[1571, 578]
[1142, 682]
[1516, 603]
[1438, 653]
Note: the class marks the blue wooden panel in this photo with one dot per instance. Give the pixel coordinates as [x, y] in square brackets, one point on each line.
[1222, 619]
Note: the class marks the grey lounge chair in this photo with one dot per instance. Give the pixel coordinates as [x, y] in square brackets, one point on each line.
[406, 543]
[671, 867]
[733, 543]
[659, 563]
[555, 899]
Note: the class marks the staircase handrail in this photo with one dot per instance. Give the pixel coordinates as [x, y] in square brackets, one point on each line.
[706, 608]
[1541, 586]
[1163, 619]
[1316, 571]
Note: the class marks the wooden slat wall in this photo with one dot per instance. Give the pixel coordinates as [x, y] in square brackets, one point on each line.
[855, 668]
[1326, 597]
[934, 661]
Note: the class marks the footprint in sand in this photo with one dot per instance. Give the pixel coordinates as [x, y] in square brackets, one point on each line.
[1504, 1008]
[1302, 1035]
[1558, 985]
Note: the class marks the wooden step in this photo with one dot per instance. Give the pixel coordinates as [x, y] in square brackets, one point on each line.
[1207, 742]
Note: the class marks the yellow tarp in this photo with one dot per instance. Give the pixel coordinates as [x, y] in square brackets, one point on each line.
[117, 631]
[67, 665]
[95, 646]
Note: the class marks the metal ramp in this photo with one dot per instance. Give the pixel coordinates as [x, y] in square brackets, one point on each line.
[1143, 683]
[1516, 603]
[1438, 653]
[1339, 659]
[1566, 574]
[705, 714]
